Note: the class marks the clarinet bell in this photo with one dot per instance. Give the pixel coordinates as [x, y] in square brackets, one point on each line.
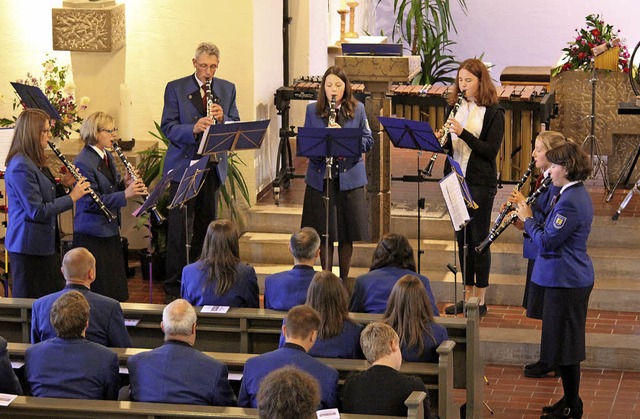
[157, 215]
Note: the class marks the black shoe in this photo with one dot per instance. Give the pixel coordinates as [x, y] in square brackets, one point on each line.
[482, 310]
[555, 406]
[534, 365]
[565, 411]
[452, 309]
[539, 371]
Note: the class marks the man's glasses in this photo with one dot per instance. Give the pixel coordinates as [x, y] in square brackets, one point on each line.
[212, 67]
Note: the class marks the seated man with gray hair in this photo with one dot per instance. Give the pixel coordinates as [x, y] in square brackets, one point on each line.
[176, 372]
[382, 389]
[69, 366]
[286, 289]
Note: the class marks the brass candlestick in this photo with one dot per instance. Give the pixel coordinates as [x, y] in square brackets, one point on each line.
[352, 18]
[343, 22]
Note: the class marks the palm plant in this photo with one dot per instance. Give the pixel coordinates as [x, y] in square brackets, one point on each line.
[425, 26]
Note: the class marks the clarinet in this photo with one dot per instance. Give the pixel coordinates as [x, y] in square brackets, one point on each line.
[332, 110]
[445, 132]
[105, 211]
[509, 205]
[511, 218]
[211, 99]
[127, 165]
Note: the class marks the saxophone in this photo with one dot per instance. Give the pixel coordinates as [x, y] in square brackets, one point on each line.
[105, 211]
[511, 218]
[445, 132]
[130, 169]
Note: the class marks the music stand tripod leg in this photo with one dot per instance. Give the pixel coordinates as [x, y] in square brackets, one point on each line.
[626, 171]
[626, 200]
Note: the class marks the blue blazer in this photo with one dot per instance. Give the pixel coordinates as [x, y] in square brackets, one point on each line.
[8, 381]
[243, 293]
[32, 197]
[178, 373]
[540, 209]
[182, 109]
[89, 219]
[287, 289]
[345, 345]
[255, 369]
[410, 354]
[106, 321]
[372, 290]
[351, 171]
[72, 369]
[563, 260]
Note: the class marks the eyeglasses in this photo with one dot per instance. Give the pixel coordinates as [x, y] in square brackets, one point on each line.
[48, 131]
[212, 67]
[110, 131]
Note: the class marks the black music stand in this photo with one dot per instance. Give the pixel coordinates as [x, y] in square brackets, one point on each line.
[414, 135]
[188, 189]
[146, 207]
[328, 143]
[232, 136]
[33, 97]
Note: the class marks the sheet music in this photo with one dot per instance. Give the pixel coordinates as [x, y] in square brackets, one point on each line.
[6, 135]
[215, 309]
[452, 193]
[6, 399]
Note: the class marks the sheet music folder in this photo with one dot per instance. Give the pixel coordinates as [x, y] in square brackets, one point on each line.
[190, 183]
[329, 142]
[233, 136]
[415, 135]
[33, 97]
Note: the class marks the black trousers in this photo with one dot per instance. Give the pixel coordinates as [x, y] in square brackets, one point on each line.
[201, 211]
[476, 270]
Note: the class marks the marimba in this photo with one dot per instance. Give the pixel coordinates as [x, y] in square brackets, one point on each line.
[523, 105]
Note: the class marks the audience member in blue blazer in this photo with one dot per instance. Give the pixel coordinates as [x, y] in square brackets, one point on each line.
[338, 336]
[564, 269]
[349, 220]
[36, 200]
[91, 229]
[410, 314]
[392, 259]
[286, 289]
[106, 322]
[176, 372]
[218, 277]
[301, 330]
[69, 366]
[8, 381]
[533, 298]
[184, 119]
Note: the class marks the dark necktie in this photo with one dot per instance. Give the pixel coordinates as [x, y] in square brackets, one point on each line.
[554, 200]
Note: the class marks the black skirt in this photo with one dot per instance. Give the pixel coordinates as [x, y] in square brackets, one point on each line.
[111, 278]
[35, 276]
[564, 319]
[535, 301]
[348, 213]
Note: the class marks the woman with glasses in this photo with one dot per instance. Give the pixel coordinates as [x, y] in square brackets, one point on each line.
[36, 199]
[91, 229]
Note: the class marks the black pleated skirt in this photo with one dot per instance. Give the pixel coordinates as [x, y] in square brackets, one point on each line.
[111, 278]
[564, 319]
[348, 213]
[35, 276]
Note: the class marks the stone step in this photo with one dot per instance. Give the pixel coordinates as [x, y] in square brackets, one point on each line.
[499, 345]
[505, 289]
[437, 226]
[609, 263]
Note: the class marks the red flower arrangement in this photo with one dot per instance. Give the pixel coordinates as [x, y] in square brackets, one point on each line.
[579, 54]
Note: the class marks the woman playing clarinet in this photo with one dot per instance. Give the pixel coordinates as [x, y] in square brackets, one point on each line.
[348, 219]
[35, 200]
[476, 134]
[91, 229]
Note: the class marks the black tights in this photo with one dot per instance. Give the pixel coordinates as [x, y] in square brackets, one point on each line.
[345, 250]
[570, 375]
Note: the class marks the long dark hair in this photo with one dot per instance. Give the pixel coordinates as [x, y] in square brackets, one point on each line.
[221, 254]
[393, 250]
[487, 94]
[348, 103]
[328, 296]
[409, 312]
[26, 136]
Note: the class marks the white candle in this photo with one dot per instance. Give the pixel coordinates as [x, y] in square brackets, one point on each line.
[124, 120]
[343, 4]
